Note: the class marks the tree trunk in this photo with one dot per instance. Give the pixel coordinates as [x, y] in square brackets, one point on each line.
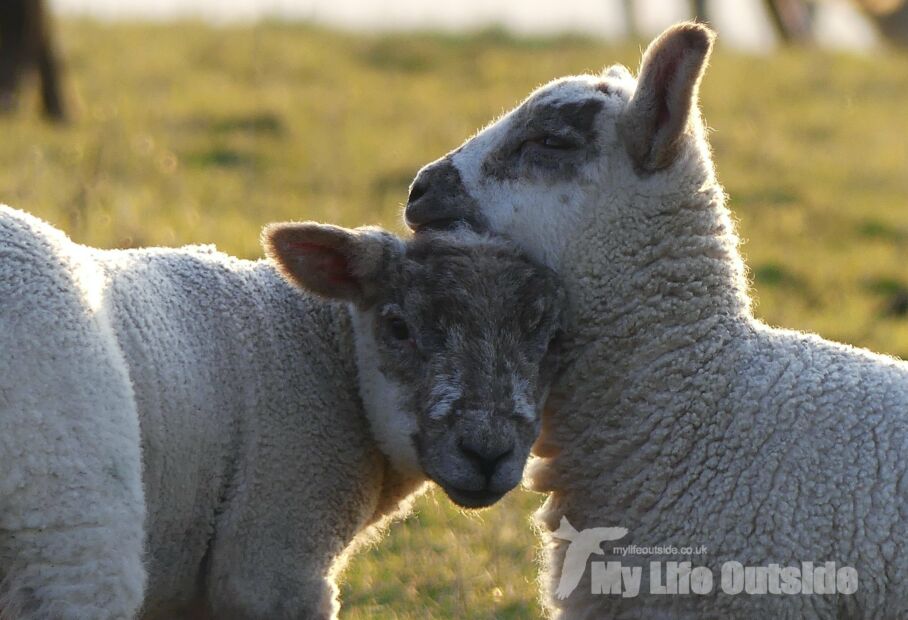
[792, 20]
[26, 44]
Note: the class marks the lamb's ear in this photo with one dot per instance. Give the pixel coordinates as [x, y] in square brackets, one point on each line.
[660, 109]
[330, 261]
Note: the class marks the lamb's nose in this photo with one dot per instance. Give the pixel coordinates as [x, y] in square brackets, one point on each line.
[437, 198]
[418, 189]
[486, 458]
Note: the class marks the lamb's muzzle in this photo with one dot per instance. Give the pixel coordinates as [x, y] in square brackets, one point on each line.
[439, 200]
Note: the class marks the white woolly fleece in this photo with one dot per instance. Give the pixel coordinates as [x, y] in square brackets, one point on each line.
[178, 411]
[689, 422]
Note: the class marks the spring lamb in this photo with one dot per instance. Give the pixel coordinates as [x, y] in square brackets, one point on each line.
[192, 417]
[679, 416]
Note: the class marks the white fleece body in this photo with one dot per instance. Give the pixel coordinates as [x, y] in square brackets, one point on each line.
[679, 416]
[689, 422]
[686, 420]
[177, 412]
[765, 446]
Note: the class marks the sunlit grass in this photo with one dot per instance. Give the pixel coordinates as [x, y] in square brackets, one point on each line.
[193, 134]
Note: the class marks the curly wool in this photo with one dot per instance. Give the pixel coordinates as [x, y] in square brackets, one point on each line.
[232, 434]
[690, 422]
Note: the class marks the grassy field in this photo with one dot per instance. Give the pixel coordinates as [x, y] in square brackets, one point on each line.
[188, 134]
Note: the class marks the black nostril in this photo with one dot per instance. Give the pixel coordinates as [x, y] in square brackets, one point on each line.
[418, 189]
[487, 459]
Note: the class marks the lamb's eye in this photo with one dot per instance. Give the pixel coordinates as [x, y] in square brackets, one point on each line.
[398, 328]
[555, 143]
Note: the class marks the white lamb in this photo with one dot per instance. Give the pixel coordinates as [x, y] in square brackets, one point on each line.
[260, 459]
[679, 416]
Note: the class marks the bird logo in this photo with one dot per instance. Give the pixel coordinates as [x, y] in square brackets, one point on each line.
[583, 544]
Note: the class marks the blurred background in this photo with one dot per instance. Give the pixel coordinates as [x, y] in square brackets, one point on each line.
[166, 122]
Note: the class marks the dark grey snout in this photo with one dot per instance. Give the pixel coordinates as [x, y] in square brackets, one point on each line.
[482, 465]
[485, 457]
[438, 199]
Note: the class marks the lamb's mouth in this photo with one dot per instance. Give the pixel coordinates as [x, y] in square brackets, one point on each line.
[443, 224]
[472, 499]
[446, 223]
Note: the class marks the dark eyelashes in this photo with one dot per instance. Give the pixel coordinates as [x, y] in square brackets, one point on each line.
[550, 143]
[557, 143]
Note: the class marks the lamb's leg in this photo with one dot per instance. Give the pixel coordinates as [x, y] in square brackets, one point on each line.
[257, 576]
[71, 504]
[284, 531]
[287, 597]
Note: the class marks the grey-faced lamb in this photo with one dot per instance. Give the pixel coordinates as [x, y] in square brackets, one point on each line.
[678, 415]
[187, 433]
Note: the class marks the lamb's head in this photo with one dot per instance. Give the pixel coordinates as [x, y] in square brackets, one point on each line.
[454, 336]
[576, 146]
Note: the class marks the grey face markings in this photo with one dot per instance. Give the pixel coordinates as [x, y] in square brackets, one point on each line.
[581, 115]
[476, 306]
[438, 197]
[547, 140]
[473, 359]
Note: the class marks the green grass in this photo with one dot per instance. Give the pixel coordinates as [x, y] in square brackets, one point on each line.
[189, 134]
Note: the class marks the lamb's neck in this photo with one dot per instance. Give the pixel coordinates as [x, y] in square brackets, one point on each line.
[295, 327]
[659, 308]
[335, 324]
[655, 274]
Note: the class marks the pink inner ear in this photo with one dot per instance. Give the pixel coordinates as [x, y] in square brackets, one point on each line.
[662, 83]
[331, 263]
